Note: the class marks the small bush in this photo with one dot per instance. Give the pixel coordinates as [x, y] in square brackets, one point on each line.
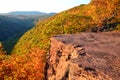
[118, 28]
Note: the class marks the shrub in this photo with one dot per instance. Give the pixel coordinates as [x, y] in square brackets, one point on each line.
[118, 28]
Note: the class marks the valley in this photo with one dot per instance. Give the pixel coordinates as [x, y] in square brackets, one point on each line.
[14, 24]
[81, 43]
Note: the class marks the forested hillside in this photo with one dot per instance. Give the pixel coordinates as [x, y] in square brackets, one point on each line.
[28, 57]
[12, 27]
[96, 16]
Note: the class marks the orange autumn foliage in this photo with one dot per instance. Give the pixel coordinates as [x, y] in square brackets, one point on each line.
[22, 67]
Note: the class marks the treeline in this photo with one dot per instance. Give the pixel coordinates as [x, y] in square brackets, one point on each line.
[22, 67]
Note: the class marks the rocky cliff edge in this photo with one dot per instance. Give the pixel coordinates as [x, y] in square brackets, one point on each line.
[84, 56]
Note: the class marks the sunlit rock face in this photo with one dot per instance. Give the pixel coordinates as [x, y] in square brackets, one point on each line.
[84, 56]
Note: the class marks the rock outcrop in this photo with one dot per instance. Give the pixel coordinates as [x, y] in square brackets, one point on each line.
[84, 56]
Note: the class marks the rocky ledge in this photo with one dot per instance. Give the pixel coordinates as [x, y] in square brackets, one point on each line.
[84, 56]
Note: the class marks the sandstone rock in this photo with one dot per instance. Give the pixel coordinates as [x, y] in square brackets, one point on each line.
[85, 56]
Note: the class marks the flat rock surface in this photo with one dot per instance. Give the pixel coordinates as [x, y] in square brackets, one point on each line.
[84, 56]
[94, 42]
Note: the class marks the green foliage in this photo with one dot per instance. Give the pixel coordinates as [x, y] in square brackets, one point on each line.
[13, 26]
[63, 23]
[1, 49]
[9, 44]
[78, 19]
[117, 28]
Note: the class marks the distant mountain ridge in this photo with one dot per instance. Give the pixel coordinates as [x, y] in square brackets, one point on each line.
[28, 13]
[12, 26]
[82, 18]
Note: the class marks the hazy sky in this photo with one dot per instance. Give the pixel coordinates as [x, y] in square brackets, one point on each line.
[39, 5]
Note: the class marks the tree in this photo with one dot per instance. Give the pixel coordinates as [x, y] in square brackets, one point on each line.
[1, 49]
[23, 67]
[106, 11]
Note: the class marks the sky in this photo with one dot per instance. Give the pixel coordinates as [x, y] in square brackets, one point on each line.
[39, 5]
